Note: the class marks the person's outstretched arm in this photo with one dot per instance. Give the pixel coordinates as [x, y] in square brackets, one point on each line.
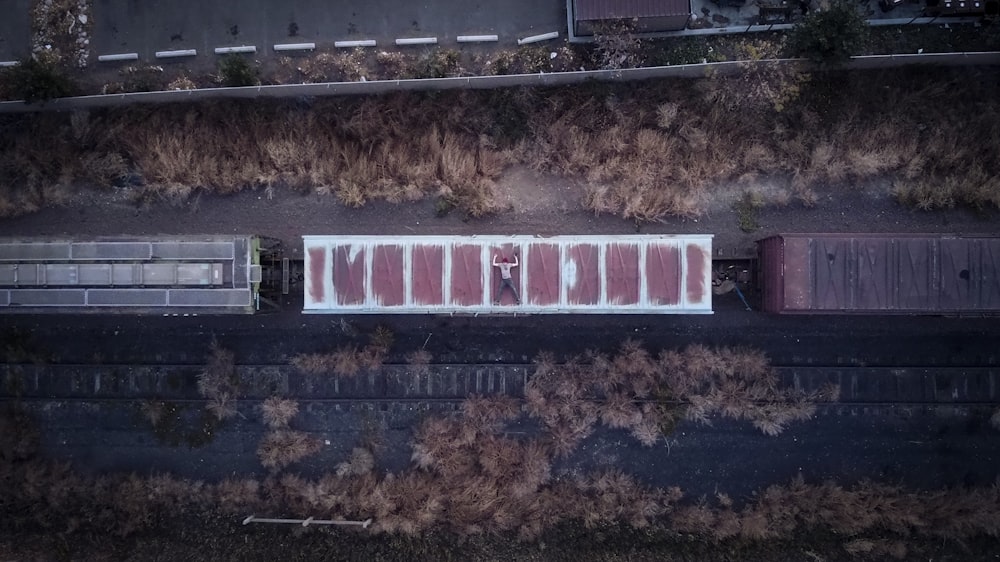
[495, 264]
[515, 261]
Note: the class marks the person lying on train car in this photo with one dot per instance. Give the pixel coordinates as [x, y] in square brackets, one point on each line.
[505, 279]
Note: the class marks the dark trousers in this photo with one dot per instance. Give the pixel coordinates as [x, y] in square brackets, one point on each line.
[507, 283]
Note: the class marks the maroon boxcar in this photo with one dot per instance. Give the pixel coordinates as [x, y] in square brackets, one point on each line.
[880, 274]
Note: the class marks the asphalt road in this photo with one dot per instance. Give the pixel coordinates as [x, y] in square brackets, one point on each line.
[150, 26]
[15, 30]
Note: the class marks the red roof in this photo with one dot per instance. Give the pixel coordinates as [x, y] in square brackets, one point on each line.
[444, 274]
[585, 10]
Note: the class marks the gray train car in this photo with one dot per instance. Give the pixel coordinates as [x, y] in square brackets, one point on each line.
[172, 275]
[880, 274]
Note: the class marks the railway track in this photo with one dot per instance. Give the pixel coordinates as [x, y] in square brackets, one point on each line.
[454, 382]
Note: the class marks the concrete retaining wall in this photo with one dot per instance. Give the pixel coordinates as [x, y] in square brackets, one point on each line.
[479, 82]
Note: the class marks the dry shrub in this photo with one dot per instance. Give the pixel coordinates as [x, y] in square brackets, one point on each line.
[238, 495]
[312, 363]
[219, 373]
[370, 357]
[488, 414]
[219, 382]
[279, 411]
[736, 383]
[103, 169]
[647, 431]
[382, 338]
[361, 462]
[222, 406]
[283, 447]
[620, 411]
[419, 361]
[346, 361]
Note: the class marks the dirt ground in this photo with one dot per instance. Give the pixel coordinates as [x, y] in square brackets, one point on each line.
[539, 204]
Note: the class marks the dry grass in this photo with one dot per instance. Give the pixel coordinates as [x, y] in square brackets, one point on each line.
[283, 447]
[643, 153]
[279, 411]
[346, 361]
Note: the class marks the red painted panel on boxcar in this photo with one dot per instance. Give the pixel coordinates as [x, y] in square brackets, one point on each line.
[695, 274]
[317, 273]
[623, 274]
[582, 274]
[663, 273]
[349, 274]
[427, 272]
[466, 275]
[387, 275]
[498, 253]
[544, 267]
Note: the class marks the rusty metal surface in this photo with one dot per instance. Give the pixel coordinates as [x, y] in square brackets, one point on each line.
[564, 274]
[874, 274]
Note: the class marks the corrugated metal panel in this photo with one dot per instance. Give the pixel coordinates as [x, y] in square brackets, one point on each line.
[589, 10]
[34, 251]
[40, 272]
[106, 251]
[872, 274]
[447, 274]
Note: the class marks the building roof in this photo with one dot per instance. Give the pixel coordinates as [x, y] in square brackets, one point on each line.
[657, 274]
[585, 10]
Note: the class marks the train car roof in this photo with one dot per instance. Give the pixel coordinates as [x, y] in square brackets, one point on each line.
[621, 274]
[129, 274]
[881, 273]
